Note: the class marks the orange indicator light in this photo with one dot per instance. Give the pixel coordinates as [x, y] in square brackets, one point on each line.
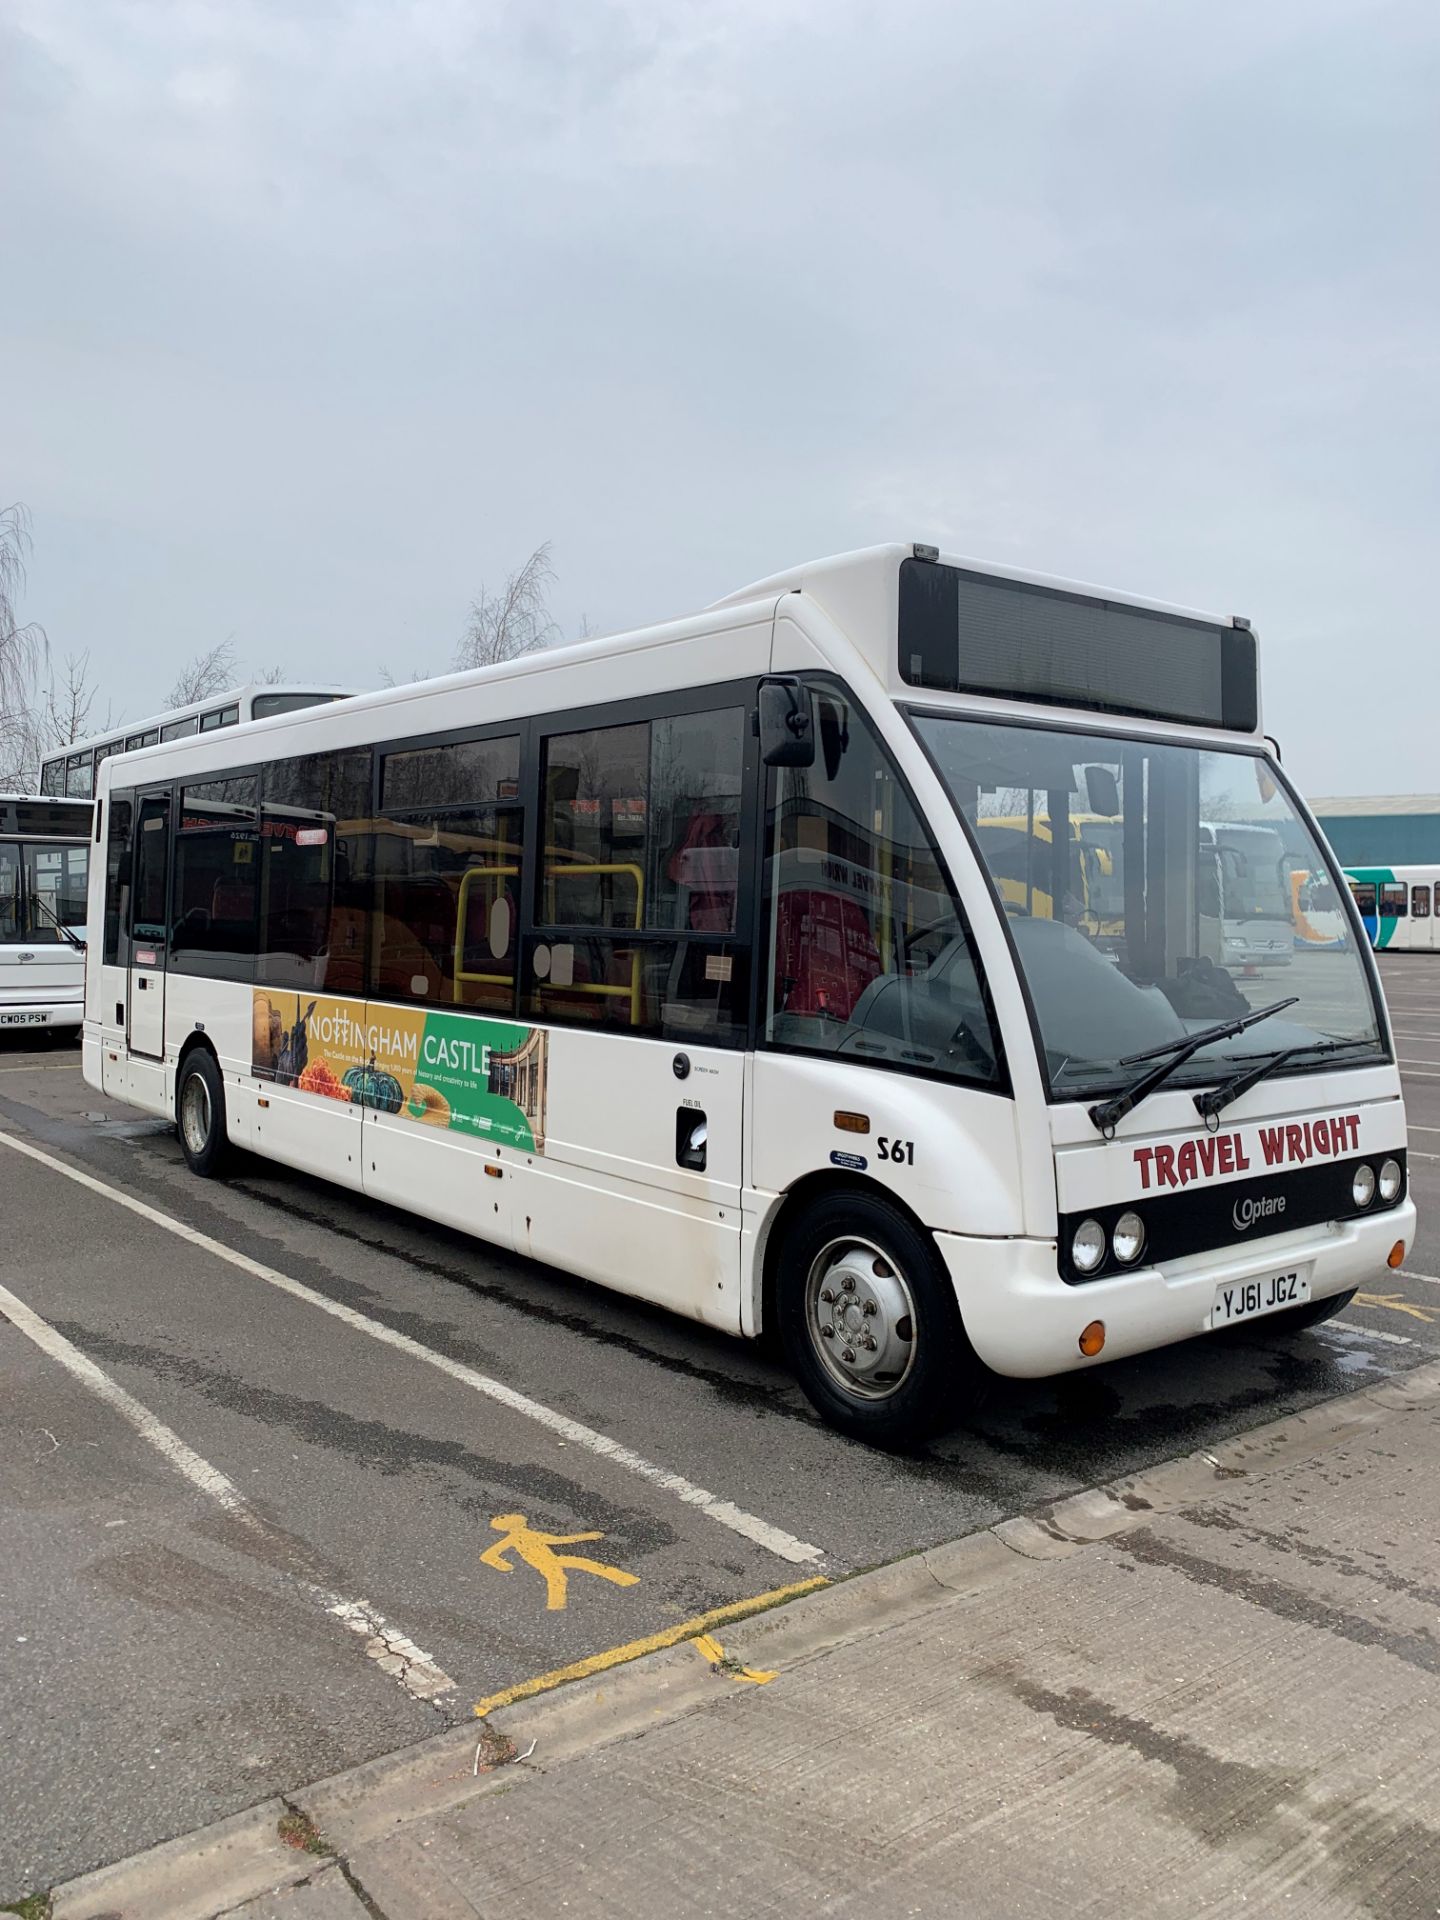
[1093, 1338]
[852, 1122]
[1397, 1253]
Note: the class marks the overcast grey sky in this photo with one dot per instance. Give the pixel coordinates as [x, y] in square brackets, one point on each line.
[316, 316]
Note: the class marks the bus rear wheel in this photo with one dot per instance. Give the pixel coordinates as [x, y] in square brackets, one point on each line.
[870, 1324]
[200, 1114]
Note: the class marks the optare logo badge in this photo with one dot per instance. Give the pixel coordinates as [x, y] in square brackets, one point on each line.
[1245, 1213]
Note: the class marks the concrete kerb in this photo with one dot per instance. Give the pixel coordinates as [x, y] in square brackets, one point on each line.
[245, 1855]
[191, 1878]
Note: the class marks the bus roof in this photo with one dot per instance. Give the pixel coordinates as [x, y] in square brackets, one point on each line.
[863, 583]
[214, 702]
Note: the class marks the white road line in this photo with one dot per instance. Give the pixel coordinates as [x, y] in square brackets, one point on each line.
[1370, 1333]
[184, 1459]
[1402, 1061]
[1415, 1127]
[391, 1650]
[1431, 1279]
[774, 1539]
[1414, 1153]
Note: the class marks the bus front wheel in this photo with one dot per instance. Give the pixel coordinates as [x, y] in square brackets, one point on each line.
[869, 1322]
[200, 1112]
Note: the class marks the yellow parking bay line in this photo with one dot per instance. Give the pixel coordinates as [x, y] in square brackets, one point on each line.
[652, 1643]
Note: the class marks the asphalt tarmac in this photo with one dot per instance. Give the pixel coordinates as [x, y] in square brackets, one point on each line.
[282, 1574]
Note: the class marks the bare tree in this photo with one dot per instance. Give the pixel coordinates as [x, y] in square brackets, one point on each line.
[207, 673]
[23, 651]
[269, 676]
[68, 704]
[512, 622]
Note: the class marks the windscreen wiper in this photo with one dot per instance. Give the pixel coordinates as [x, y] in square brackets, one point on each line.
[1215, 1099]
[1174, 1053]
[62, 929]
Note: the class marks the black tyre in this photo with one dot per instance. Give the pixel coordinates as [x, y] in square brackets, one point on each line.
[200, 1114]
[1311, 1314]
[894, 1366]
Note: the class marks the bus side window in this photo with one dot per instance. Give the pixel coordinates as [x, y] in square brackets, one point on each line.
[314, 845]
[1364, 892]
[638, 909]
[216, 883]
[1419, 903]
[868, 952]
[448, 848]
[1394, 904]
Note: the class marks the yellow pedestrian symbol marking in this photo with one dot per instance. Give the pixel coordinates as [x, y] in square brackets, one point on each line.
[537, 1551]
[1397, 1303]
[709, 1648]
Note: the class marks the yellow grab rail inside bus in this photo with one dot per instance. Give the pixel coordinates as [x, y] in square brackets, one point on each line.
[597, 989]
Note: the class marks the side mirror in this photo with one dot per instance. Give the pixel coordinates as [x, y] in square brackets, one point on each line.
[787, 725]
[1102, 792]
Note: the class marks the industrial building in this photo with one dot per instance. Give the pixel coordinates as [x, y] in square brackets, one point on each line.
[1382, 829]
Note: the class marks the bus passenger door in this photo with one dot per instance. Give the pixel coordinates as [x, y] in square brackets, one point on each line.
[149, 931]
[638, 966]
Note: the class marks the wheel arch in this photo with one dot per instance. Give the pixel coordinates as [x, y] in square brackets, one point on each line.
[196, 1041]
[822, 1182]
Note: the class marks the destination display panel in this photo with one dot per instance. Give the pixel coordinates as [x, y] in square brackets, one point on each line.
[963, 632]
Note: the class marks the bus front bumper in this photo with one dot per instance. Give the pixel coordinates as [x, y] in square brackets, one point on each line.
[1025, 1321]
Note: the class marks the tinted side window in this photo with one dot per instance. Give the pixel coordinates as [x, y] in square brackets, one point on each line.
[693, 821]
[314, 883]
[117, 878]
[867, 952]
[217, 868]
[639, 884]
[447, 855]
[1364, 892]
[1394, 903]
[1419, 903]
[595, 799]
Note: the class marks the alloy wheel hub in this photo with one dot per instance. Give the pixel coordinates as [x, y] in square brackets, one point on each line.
[863, 1319]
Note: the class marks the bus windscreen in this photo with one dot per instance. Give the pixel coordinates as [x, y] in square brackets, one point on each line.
[963, 632]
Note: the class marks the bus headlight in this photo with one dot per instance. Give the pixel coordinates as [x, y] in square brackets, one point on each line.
[1127, 1238]
[1087, 1249]
[1391, 1180]
[1362, 1187]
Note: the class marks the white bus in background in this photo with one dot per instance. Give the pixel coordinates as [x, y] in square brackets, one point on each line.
[1257, 925]
[72, 771]
[674, 959]
[44, 860]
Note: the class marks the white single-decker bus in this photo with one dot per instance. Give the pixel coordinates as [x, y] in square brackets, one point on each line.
[673, 959]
